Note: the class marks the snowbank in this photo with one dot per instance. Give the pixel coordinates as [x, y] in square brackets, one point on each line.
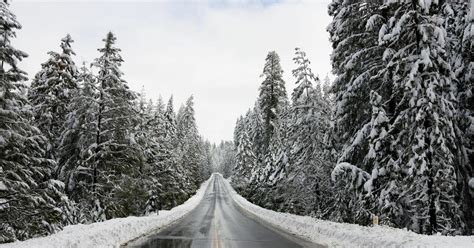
[334, 234]
[114, 232]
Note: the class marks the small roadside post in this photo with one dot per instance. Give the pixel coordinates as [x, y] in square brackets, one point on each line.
[375, 220]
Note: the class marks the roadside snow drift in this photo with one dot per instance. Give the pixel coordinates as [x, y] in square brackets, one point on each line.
[334, 234]
[114, 232]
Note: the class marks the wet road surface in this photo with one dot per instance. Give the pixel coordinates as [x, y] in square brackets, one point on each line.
[217, 223]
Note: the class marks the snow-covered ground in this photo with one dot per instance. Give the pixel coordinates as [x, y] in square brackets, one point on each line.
[114, 232]
[335, 234]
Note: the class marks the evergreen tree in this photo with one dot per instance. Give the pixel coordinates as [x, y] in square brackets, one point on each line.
[224, 158]
[190, 142]
[459, 22]
[205, 165]
[245, 163]
[422, 108]
[327, 88]
[78, 138]
[308, 127]
[172, 192]
[162, 174]
[272, 98]
[31, 203]
[357, 62]
[385, 179]
[144, 190]
[349, 204]
[143, 139]
[238, 129]
[303, 75]
[113, 155]
[51, 92]
[170, 125]
[158, 124]
[255, 127]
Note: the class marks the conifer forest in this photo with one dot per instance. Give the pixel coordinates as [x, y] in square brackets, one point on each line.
[384, 138]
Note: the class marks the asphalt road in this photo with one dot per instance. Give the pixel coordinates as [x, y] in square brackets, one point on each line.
[217, 222]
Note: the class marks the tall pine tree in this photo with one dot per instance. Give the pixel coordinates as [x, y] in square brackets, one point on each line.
[272, 97]
[356, 62]
[78, 138]
[31, 203]
[113, 155]
[51, 92]
[459, 22]
[422, 110]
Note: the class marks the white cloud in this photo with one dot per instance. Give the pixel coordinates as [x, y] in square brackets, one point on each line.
[184, 48]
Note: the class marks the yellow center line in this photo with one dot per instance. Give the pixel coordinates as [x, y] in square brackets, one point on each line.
[216, 242]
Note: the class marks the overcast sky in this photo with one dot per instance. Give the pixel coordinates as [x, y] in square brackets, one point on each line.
[214, 50]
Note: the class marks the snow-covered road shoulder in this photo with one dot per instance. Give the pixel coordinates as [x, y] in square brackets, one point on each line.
[334, 234]
[114, 232]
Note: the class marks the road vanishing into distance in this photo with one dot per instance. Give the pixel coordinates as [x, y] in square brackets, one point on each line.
[217, 222]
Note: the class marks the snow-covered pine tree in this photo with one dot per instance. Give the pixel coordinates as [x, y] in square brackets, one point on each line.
[77, 139]
[154, 168]
[51, 92]
[376, 172]
[172, 192]
[224, 158]
[228, 158]
[141, 193]
[190, 142]
[264, 123]
[238, 129]
[356, 62]
[251, 124]
[272, 97]
[385, 178]
[349, 204]
[180, 126]
[244, 164]
[171, 135]
[31, 203]
[261, 184]
[163, 175]
[304, 78]
[113, 155]
[254, 123]
[307, 180]
[142, 136]
[326, 88]
[205, 165]
[422, 110]
[157, 124]
[459, 22]
[268, 178]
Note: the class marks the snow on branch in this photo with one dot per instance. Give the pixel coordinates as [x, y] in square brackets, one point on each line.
[345, 170]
